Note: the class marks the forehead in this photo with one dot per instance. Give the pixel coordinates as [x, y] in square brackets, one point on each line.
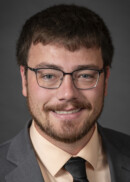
[41, 55]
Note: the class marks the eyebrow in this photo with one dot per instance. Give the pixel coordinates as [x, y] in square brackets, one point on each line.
[90, 66]
[78, 67]
[46, 65]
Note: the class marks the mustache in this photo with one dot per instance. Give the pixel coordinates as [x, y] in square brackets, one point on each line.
[75, 104]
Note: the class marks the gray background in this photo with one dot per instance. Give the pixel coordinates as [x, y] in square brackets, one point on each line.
[13, 110]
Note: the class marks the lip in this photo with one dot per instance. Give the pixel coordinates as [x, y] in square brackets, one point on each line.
[67, 114]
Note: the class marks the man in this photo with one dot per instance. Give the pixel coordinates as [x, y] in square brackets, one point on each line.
[65, 53]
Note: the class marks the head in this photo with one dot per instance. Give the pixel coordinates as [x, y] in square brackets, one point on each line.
[64, 37]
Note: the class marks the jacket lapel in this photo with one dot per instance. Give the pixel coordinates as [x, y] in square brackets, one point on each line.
[26, 168]
[26, 171]
[119, 160]
[22, 155]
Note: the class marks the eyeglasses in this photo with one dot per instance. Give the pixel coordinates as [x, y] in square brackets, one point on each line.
[51, 78]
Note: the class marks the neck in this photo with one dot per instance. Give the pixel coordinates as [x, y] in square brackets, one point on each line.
[71, 148]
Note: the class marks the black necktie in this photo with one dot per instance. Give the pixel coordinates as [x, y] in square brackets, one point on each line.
[76, 167]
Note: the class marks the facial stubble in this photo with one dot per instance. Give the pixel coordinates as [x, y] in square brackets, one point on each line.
[68, 134]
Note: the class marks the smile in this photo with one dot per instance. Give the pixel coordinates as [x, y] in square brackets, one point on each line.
[68, 112]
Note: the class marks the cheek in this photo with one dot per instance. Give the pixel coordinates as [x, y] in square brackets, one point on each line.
[34, 91]
[95, 96]
[38, 95]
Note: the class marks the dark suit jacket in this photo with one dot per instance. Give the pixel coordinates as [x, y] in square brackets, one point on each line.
[18, 162]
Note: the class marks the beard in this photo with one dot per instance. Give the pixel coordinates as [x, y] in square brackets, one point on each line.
[69, 134]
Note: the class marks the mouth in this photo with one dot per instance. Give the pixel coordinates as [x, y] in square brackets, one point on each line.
[68, 112]
[71, 114]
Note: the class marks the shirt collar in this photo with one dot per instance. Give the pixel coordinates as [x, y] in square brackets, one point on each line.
[53, 158]
[92, 149]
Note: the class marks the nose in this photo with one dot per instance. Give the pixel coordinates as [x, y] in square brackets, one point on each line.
[67, 91]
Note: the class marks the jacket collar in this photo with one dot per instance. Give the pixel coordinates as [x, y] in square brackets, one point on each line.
[118, 156]
[26, 168]
[21, 154]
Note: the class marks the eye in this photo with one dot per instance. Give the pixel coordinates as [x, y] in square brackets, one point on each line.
[86, 76]
[47, 76]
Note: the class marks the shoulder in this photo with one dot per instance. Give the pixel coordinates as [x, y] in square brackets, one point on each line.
[12, 151]
[119, 140]
[4, 147]
[18, 141]
[6, 166]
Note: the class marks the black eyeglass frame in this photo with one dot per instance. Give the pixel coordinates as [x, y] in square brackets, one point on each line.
[35, 70]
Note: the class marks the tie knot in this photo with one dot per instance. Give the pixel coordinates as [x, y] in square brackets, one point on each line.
[76, 167]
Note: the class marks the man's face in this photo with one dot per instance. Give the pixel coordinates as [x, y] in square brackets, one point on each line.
[66, 113]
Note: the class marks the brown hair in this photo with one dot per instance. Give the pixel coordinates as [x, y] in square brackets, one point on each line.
[68, 25]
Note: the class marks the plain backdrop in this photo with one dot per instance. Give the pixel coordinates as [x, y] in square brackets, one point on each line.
[13, 110]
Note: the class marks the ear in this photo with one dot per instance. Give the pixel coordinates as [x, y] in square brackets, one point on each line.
[24, 81]
[106, 79]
